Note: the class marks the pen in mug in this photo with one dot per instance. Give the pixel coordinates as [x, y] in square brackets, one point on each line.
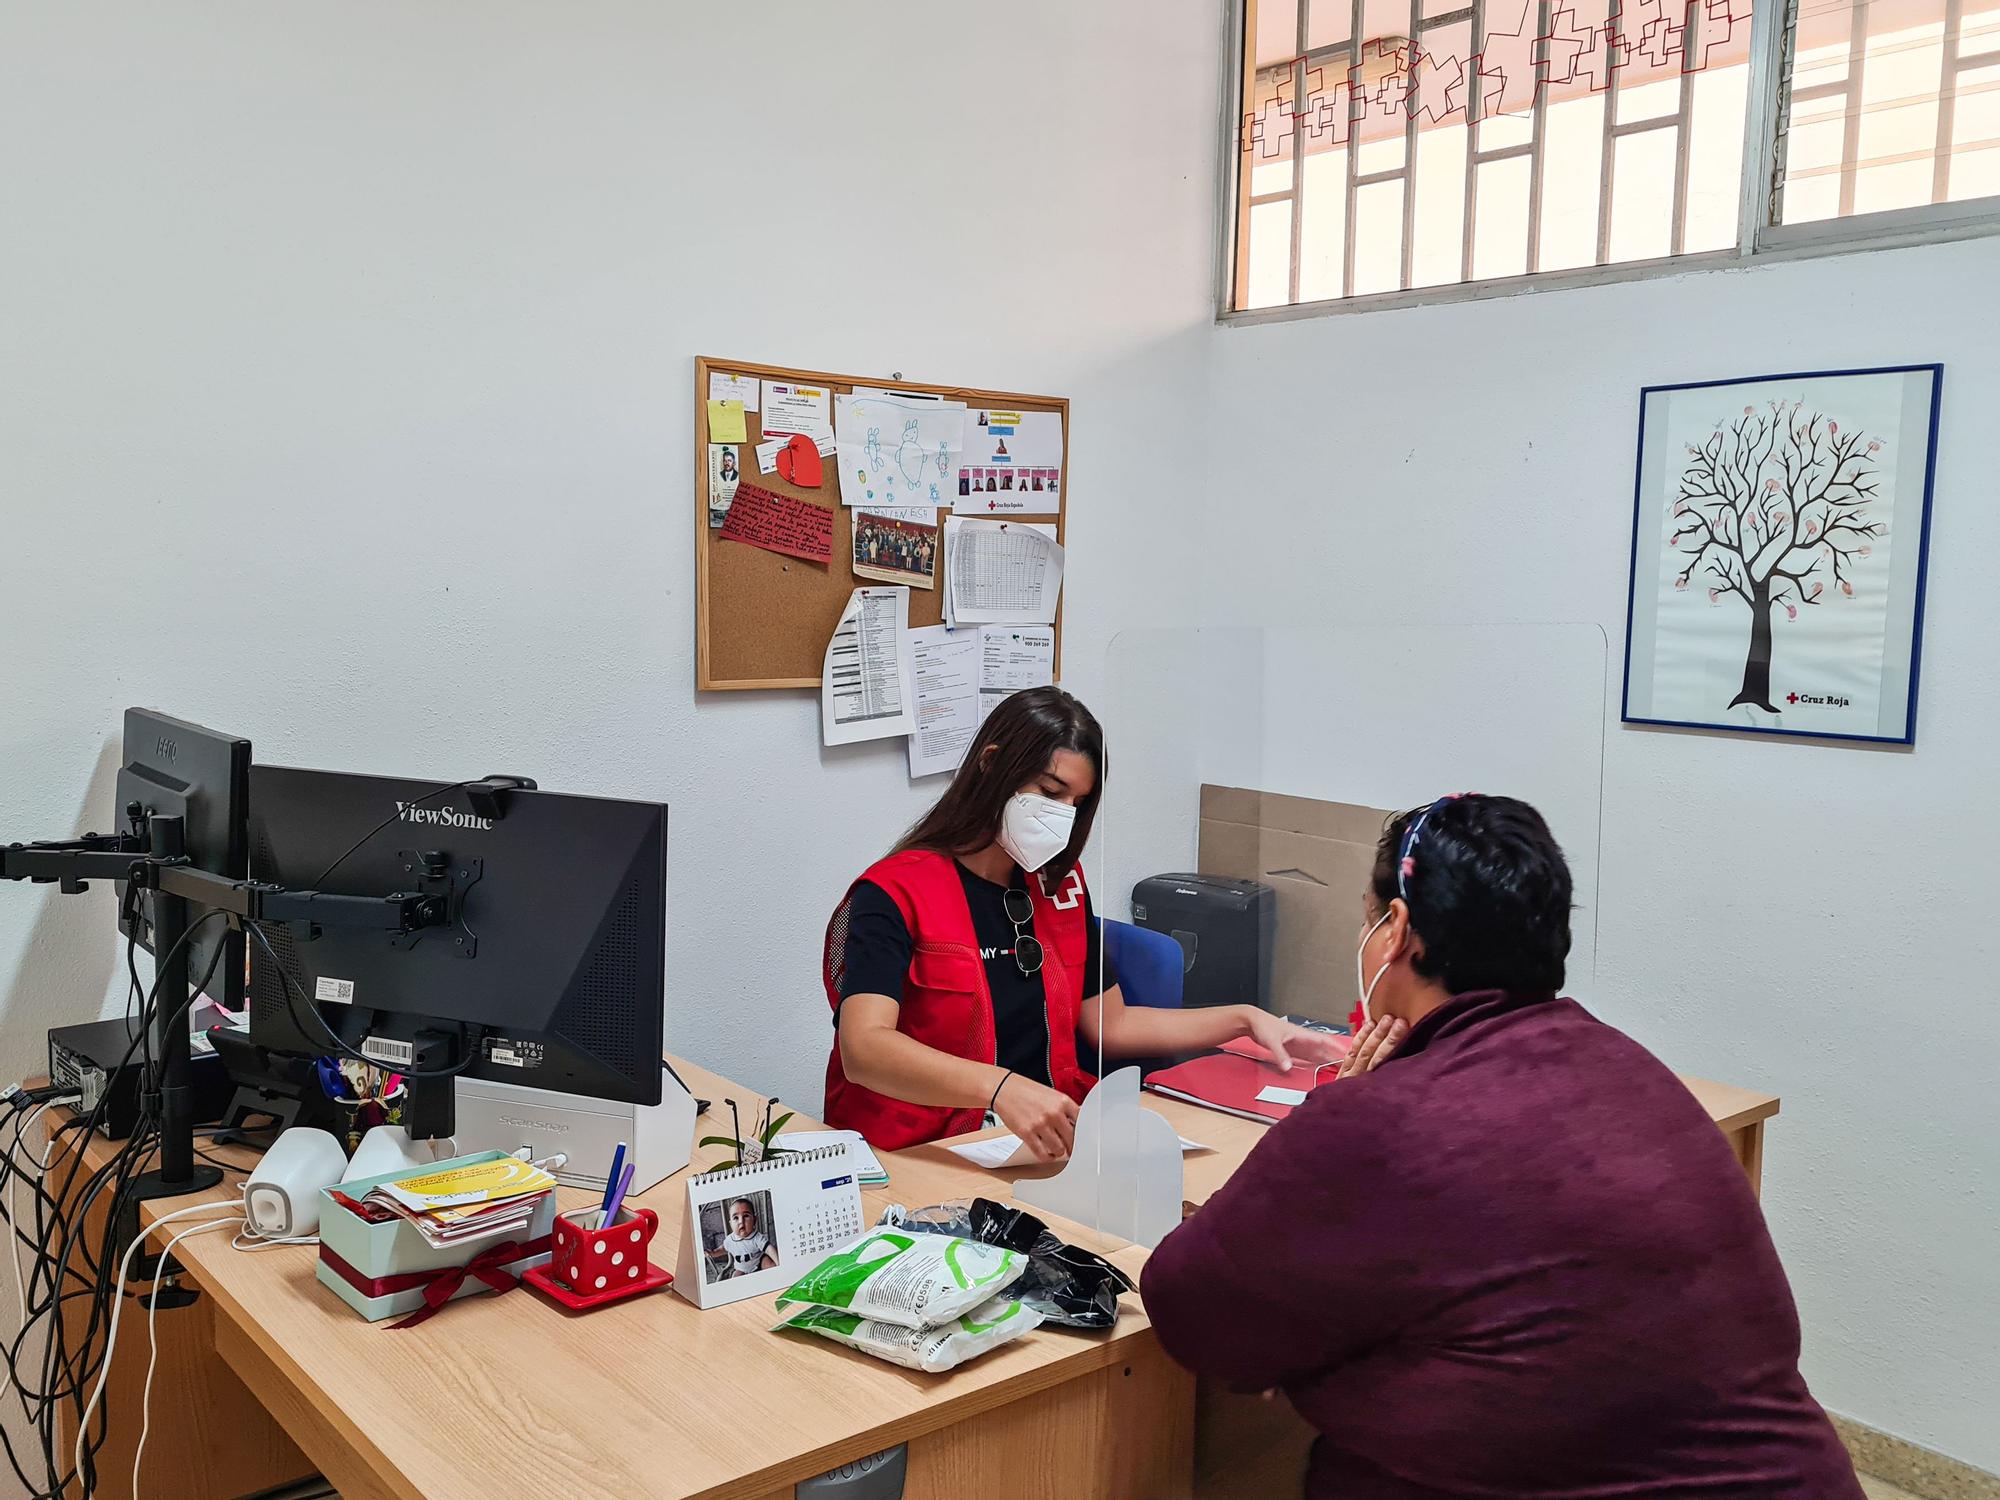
[617, 1199]
[611, 1183]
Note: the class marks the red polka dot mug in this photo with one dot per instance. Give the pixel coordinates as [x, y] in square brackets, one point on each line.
[594, 1260]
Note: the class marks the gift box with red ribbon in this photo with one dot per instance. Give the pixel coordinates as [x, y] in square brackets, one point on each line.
[390, 1270]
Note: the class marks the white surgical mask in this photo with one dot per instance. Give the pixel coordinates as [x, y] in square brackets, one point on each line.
[1035, 829]
[1366, 987]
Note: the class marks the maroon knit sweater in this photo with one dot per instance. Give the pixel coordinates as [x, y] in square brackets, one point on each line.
[1518, 1262]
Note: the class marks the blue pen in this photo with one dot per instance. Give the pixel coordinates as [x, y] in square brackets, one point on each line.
[611, 1184]
[617, 1199]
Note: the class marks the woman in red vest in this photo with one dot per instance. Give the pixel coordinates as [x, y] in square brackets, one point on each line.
[964, 966]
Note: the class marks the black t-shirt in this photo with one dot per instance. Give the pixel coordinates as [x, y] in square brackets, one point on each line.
[878, 962]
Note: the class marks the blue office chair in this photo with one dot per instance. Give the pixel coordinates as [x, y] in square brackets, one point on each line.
[1151, 967]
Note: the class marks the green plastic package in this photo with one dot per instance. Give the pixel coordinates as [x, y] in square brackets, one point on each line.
[914, 1281]
[932, 1349]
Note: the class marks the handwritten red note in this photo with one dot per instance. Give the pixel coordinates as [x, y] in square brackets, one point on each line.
[778, 523]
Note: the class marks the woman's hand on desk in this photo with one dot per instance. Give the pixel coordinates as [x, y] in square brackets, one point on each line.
[1289, 1044]
[1373, 1045]
[1044, 1119]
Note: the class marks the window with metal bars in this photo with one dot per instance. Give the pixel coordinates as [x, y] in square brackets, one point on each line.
[1400, 150]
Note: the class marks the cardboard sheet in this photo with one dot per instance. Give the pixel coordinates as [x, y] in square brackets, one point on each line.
[1317, 856]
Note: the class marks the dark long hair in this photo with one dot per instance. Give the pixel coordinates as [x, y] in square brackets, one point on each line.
[1023, 735]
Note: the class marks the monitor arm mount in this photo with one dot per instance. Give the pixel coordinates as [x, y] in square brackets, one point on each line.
[152, 856]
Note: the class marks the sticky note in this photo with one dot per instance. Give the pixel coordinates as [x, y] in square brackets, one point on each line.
[742, 388]
[1276, 1095]
[798, 463]
[725, 422]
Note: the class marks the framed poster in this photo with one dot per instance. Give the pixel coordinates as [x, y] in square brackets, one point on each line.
[1779, 541]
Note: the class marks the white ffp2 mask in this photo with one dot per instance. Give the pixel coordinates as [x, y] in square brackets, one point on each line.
[1034, 829]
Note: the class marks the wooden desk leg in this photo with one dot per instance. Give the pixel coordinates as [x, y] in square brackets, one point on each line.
[350, 1466]
[1121, 1433]
[1247, 1448]
[1749, 1144]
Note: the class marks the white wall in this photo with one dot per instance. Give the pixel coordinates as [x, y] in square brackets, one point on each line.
[344, 395]
[346, 378]
[1810, 920]
[346, 382]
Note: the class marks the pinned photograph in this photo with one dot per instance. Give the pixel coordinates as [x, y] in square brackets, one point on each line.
[894, 550]
[723, 475]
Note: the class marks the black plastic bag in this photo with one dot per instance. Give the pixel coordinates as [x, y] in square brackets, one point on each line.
[1065, 1283]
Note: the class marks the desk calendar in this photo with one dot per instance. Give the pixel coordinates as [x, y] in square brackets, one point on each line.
[758, 1228]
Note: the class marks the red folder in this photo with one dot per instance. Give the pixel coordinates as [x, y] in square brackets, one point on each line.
[1230, 1082]
[1242, 1046]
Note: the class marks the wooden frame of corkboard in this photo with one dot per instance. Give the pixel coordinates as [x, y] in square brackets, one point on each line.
[762, 620]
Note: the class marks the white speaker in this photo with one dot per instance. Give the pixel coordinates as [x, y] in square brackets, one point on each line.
[281, 1199]
[506, 1117]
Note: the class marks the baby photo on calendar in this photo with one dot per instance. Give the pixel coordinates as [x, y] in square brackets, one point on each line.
[737, 1238]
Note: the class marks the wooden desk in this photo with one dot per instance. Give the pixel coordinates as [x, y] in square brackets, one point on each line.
[269, 1376]
[650, 1398]
[1740, 1113]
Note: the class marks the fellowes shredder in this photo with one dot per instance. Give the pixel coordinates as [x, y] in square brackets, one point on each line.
[1226, 928]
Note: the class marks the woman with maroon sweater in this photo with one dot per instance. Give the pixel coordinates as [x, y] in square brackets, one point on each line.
[1506, 1254]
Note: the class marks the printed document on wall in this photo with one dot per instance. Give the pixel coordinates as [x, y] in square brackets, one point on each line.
[1002, 572]
[896, 450]
[945, 666]
[1013, 657]
[1011, 463]
[864, 690]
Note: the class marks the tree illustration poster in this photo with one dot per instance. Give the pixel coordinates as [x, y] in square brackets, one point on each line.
[1778, 553]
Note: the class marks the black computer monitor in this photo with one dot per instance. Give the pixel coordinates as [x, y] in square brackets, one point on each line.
[175, 768]
[554, 970]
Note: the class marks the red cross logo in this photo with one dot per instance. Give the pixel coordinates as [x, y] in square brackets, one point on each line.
[1791, 697]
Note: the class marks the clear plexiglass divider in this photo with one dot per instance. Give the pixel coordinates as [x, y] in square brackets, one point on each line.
[1249, 773]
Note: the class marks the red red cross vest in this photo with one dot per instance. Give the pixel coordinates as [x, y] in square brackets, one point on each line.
[946, 1001]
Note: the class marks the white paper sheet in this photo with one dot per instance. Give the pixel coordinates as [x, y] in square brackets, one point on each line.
[1002, 572]
[895, 450]
[864, 691]
[866, 1162]
[1011, 463]
[1013, 657]
[742, 388]
[945, 534]
[1276, 1095]
[767, 455]
[1008, 1151]
[790, 408]
[945, 670]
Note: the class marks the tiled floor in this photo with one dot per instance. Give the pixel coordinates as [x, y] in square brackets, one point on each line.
[1881, 1489]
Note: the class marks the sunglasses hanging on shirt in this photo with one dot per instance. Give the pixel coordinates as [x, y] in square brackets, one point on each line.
[1027, 947]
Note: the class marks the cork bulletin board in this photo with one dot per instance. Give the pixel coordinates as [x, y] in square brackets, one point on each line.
[763, 619]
